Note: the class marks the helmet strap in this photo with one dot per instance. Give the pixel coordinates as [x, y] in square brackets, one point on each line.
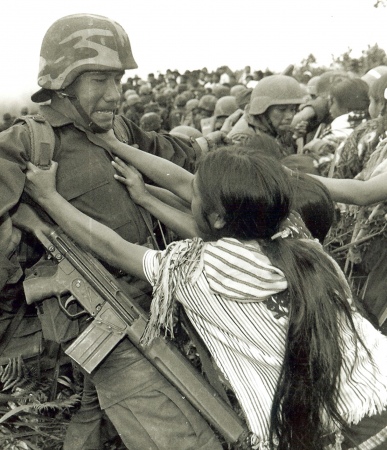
[74, 100]
[263, 123]
[269, 124]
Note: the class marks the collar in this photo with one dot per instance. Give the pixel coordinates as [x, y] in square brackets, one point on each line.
[58, 120]
[55, 118]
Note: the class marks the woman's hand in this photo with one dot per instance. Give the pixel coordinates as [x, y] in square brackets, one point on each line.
[41, 184]
[9, 236]
[106, 140]
[132, 179]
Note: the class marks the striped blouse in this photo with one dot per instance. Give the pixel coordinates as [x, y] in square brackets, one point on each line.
[228, 300]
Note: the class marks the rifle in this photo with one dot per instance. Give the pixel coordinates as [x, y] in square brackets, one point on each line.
[116, 316]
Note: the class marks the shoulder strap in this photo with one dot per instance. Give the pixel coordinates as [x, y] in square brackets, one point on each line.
[42, 139]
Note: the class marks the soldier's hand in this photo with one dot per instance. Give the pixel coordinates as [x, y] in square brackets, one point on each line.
[231, 121]
[300, 129]
[217, 138]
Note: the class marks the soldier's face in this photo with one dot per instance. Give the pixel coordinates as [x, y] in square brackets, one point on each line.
[281, 116]
[99, 94]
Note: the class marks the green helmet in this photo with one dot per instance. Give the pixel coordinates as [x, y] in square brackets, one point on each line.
[275, 90]
[225, 106]
[191, 104]
[186, 132]
[207, 102]
[237, 88]
[220, 90]
[79, 43]
[150, 121]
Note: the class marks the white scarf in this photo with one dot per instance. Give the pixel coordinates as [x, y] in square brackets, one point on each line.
[250, 276]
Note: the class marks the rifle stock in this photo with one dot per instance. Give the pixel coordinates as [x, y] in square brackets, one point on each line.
[117, 316]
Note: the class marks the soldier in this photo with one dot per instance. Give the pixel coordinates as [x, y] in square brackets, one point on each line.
[83, 58]
[273, 104]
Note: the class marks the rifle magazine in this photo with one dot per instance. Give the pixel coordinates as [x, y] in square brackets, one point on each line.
[93, 345]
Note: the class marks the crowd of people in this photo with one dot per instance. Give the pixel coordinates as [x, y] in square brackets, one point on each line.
[252, 200]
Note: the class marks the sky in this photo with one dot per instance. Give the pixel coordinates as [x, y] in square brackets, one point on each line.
[192, 34]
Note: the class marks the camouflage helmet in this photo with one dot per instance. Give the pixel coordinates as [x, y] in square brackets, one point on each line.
[79, 43]
[328, 79]
[275, 90]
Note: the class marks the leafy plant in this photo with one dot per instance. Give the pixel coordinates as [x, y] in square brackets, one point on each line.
[29, 417]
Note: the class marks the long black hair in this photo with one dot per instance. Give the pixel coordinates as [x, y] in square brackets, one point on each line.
[253, 206]
[253, 193]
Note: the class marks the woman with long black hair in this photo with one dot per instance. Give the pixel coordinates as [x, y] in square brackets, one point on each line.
[273, 308]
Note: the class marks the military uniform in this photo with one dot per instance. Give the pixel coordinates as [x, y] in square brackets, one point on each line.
[137, 399]
[93, 52]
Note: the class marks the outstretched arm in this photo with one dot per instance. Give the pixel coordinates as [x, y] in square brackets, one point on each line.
[178, 220]
[163, 172]
[169, 198]
[92, 235]
[356, 192]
